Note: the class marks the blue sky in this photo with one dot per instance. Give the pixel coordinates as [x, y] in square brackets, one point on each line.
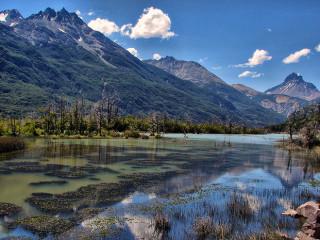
[241, 41]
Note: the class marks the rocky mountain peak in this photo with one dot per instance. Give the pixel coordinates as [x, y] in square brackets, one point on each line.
[62, 17]
[10, 17]
[296, 77]
[295, 86]
[50, 13]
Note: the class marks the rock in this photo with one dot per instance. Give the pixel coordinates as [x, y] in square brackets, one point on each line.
[8, 209]
[303, 236]
[292, 213]
[310, 215]
[308, 209]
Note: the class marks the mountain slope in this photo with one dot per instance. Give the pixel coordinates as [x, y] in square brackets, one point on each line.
[53, 54]
[249, 92]
[295, 86]
[280, 103]
[200, 76]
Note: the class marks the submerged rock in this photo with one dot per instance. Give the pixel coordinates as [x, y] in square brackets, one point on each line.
[61, 174]
[93, 169]
[33, 167]
[42, 225]
[309, 214]
[8, 209]
[48, 183]
[42, 195]
[97, 194]
[85, 214]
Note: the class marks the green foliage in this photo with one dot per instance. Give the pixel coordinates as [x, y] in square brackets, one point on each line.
[58, 120]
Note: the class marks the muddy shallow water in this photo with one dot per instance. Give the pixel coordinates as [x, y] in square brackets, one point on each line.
[218, 170]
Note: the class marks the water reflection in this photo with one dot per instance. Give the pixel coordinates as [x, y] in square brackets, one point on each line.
[248, 162]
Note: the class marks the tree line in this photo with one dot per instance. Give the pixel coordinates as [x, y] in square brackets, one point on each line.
[104, 119]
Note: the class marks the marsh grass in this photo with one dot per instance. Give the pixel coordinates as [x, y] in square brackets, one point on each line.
[202, 228]
[11, 144]
[239, 207]
[162, 224]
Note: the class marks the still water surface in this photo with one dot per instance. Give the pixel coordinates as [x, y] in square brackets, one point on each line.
[245, 161]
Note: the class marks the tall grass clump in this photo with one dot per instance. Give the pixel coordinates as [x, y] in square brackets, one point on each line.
[11, 144]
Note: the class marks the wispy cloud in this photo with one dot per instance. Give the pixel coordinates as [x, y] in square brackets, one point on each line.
[152, 23]
[258, 57]
[202, 60]
[269, 29]
[216, 68]
[156, 56]
[317, 48]
[295, 57]
[104, 25]
[78, 13]
[90, 13]
[250, 74]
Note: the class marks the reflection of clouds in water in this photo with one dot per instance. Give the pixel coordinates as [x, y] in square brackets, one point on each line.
[138, 198]
[285, 203]
[127, 200]
[254, 203]
[141, 227]
[240, 185]
[152, 196]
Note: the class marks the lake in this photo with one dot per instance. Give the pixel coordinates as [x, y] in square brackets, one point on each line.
[184, 181]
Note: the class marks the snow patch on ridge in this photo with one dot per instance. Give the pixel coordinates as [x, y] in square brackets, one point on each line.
[13, 24]
[3, 17]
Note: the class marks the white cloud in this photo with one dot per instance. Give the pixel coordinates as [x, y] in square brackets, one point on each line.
[269, 29]
[295, 57]
[90, 13]
[133, 51]
[156, 56]
[317, 48]
[258, 57]
[103, 25]
[216, 68]
[250, 74]
[152, 23]
[79, 14]
[201, 60]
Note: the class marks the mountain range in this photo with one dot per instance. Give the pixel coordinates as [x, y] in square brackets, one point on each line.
[284, 99]
[55, 54]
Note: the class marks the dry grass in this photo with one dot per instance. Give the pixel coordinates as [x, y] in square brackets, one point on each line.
[202, 228]
[11, 144]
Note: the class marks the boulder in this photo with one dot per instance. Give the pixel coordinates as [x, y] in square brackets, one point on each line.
[310, 214]
[308, 209]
